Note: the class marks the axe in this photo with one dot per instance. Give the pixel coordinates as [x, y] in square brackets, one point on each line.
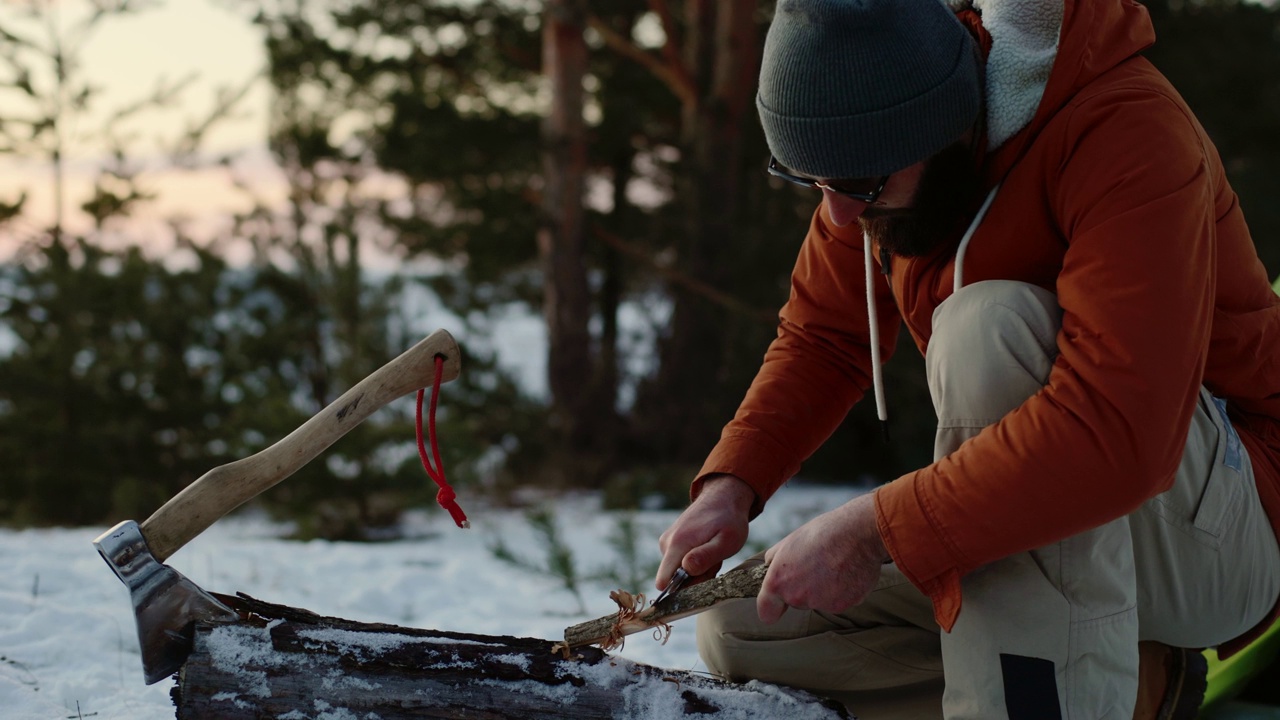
[166, 604]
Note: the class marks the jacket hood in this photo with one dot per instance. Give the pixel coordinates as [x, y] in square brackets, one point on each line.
[1041, 52]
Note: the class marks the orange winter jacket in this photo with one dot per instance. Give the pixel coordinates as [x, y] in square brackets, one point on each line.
[1113, 197]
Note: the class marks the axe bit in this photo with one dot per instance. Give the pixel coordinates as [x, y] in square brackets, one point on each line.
[166, 604]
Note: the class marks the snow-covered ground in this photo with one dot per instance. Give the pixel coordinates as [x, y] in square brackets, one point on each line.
[68, 647]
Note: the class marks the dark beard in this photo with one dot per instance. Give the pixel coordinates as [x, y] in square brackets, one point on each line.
[946, 197]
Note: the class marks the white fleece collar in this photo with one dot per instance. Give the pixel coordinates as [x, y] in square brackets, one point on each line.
[1024, 44]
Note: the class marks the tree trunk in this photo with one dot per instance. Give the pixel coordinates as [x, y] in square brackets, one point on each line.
[285, 662]
[721, 55]
[561, 238]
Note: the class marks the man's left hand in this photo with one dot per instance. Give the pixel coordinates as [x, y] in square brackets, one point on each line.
[830, 563]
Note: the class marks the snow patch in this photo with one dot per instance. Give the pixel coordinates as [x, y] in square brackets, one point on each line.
[233, 698]
[232, 648]
[336, 679]
[329, 712]
[520, 661]
[563, 693]
[354, 641]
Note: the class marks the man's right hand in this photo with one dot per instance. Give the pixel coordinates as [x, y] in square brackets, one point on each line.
[709, 531]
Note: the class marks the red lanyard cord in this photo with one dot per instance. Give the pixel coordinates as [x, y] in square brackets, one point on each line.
[446, 496]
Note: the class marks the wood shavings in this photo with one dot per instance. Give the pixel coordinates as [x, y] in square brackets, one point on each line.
[629, 607]
[632, 611]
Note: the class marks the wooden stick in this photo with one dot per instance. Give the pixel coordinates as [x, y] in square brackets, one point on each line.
[742, 582]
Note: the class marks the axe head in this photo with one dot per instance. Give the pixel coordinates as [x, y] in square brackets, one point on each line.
[165, 604]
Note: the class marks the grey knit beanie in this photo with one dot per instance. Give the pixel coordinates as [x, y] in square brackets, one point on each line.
[862, 88]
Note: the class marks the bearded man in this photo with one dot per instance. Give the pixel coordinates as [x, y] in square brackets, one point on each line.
[1013, 182]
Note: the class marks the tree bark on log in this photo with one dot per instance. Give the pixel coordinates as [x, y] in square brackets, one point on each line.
[281, 662]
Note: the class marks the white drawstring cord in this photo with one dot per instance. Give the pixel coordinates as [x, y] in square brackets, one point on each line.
[877, 375]
[968, 235]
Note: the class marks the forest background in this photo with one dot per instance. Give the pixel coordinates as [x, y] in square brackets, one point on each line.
[592, 170]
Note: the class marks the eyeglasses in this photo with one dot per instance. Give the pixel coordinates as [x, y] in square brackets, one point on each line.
[865, 189]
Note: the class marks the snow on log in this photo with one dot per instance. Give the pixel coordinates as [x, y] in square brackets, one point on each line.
[292, 664]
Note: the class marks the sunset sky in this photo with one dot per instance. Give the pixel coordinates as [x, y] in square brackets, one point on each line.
[126, 58]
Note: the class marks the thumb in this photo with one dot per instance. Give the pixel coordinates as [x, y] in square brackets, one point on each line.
[768, 554]
[769, 607]
[708, 556]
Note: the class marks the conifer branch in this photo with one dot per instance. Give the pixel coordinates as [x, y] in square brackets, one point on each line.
[672, 75]
[692, 284]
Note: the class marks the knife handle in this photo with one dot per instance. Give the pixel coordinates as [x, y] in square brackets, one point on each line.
[226, 487]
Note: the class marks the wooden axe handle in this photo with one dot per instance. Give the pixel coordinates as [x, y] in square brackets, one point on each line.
[226, 487]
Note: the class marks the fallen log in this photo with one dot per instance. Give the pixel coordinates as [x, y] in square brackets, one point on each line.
[281, 662]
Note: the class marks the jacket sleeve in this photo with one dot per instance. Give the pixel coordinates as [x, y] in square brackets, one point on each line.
[1133, 199]
[814, 371]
